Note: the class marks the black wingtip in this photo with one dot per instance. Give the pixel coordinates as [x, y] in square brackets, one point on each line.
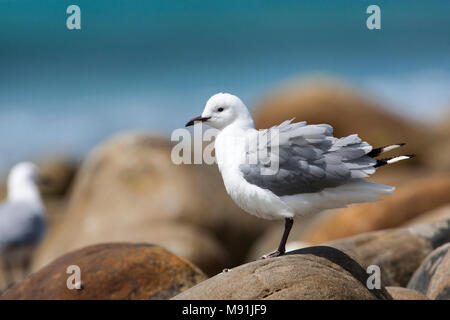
[377, 151]
[385, 161]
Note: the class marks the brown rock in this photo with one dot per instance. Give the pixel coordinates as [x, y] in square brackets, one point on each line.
[130, 182]
[309, 273]
[437, 156]
[188, 242]
[407, 202]
[60, 172]
[439, 214]
[399, 293]
[432, 278]
[398, 252]
[331, 102]
[112, 271]
[442, 127]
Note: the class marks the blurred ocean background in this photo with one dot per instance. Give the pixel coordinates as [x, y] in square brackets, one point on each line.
[153, 64]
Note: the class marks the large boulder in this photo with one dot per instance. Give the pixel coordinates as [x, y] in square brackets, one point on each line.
[432, 278]
[60, 172]
[408, 201]
[343, 107]
[186, 241]
[130, 183]
[399, 293]
[309, 273]
[397, 252]
[435, 215]
[438, 155]
[111, 271]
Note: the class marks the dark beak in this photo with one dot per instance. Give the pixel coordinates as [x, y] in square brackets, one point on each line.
[196, 119]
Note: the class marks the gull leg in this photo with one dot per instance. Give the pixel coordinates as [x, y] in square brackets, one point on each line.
[282, 246]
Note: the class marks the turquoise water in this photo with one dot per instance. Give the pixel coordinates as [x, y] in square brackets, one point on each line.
[152, 64]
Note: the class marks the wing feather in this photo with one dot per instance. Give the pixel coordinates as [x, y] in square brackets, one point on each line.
[309, 159]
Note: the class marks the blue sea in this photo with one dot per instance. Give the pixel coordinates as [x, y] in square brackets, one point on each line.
[151, 65]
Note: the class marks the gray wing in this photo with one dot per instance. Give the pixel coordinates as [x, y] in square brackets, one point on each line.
[20, 223]
[309, 159]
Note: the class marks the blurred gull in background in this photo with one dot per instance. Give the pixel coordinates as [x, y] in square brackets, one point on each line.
[313, 171]
[22, 220]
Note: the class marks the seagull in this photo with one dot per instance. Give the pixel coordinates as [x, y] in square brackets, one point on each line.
[292, 169]
[22, 219]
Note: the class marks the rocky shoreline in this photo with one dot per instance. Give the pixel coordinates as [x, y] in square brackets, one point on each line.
[116, 218]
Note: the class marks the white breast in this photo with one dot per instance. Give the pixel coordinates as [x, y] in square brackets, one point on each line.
[230, 154]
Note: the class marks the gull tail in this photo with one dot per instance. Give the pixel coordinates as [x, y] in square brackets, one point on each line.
[376, 152]
[385, 161]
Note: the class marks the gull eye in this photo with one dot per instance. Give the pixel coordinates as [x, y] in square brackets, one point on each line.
[220, 109]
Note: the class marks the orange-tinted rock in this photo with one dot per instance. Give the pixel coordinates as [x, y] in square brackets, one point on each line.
[437, 156]
[112, 271]
[408, 201]
[191, 243]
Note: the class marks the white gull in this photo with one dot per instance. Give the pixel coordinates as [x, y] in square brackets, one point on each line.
[314, 171]
[22, 219]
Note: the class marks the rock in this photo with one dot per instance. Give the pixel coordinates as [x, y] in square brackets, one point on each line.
[130, 182]
[398, 252]
[432, 278]
[442, 127]
[437, 156]
[439, 214]
[189, 242]
[111, 271]
[60, 172]
[329, 101]
[407, 202]
[399, 293]
[309, 273]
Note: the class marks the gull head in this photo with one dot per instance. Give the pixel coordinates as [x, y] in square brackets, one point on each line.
[23, 180]
[223, 109]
